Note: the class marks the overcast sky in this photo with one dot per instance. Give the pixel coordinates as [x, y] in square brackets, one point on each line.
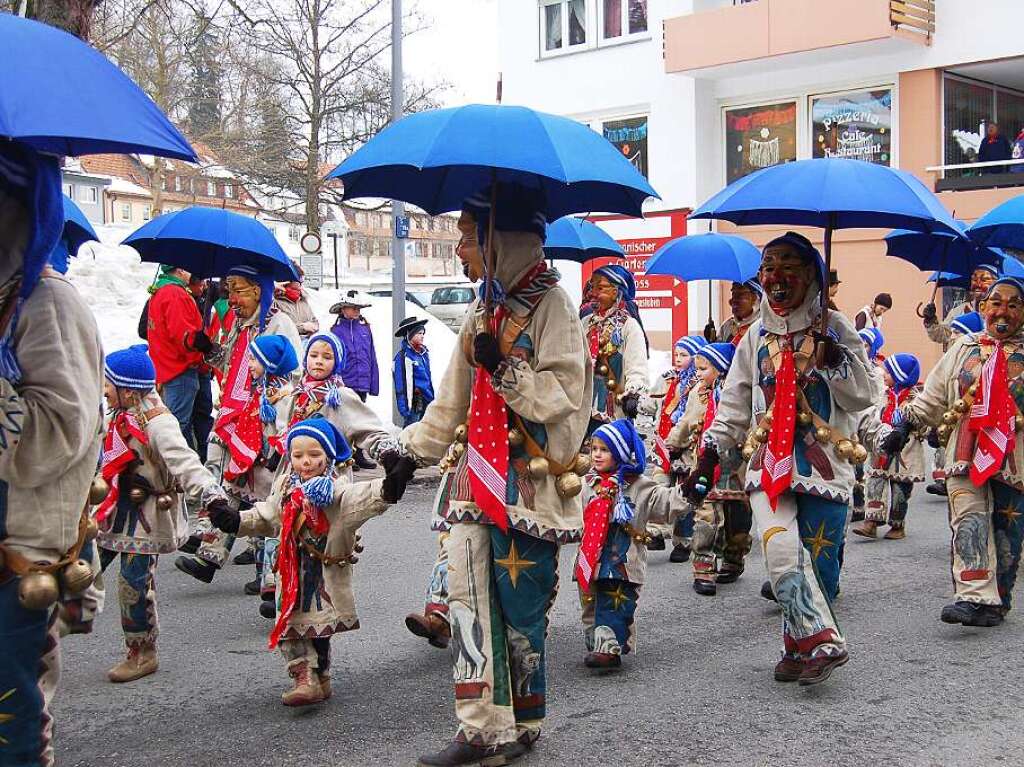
[459, 45]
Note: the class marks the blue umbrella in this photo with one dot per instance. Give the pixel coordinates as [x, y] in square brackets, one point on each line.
[1001, 227]
[949, 279]
[940, 251]
[210, 241]
[77, 229]
[436, 159]
[61, 96]
[708, 256]
[573, 239]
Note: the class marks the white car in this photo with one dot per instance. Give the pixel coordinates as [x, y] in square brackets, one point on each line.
[450, 304]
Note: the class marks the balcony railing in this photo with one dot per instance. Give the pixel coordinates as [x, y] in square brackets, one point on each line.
[982, 180]
[914, 16]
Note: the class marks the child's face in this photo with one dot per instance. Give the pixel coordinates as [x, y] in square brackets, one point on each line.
[706, 372]
[255, 368]
[887, 378]
[600, 456]
[117, 397]
[680, 358]
[308, 458]
[416, 339]
[320, 360]
[350, 312]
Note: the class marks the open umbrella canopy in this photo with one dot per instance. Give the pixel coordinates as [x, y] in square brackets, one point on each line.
[949, 279]
[61, 96]
[708, 256]
[436, 159]
[77, 229]
[210, 241]
[1001, 227]
[833, 193]
[573, 239]
[942, 251]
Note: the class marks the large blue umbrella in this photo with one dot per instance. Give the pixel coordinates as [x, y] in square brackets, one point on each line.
[436, 159]
[707, 256]
[941, 251]
[210, 241]
[573, 239]
[59, 95]
[1001, 227]
[949, 279]
[77, 229]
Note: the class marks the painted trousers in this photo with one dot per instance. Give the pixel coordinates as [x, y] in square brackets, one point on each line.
[29, 671]
[266, 560]
[501, 588]
[136, 593]
[437, 590]
[888, 500]
[988, 525]
[721, 538]
[682, 530]
[801, 540]
[858, 488]
[315, 652]
[609, 613]
[77, 612]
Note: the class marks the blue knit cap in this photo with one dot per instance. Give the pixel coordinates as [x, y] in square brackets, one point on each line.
[331, 340]
[1006, 280]
[627, 448]
[753, 285]
[967, 324]
[904, 369]
[691, 344]
[266, 283]
[275, 353]
[621, 278]
[873, 338]
[131, 368]
[719, 355]
[323, 431]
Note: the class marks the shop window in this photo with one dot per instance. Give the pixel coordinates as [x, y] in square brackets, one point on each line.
[856, 125]
[630, 137]
[622, 18]
[758, 137]
[563, 24]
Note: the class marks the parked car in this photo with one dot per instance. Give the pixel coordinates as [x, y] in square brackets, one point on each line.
[450, 304]
[386, 293]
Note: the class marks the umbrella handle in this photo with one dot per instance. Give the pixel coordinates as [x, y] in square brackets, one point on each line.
[920, 304]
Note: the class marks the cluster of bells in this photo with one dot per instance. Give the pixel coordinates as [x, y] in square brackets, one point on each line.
[603, 371]
[847, 449]
[567, 484]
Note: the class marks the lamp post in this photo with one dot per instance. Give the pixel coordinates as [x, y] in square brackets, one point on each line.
[400, 228]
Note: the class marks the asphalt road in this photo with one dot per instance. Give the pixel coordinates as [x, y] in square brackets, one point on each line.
[698, 692]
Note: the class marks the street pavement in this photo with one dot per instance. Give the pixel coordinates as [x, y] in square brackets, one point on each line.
[698, 692]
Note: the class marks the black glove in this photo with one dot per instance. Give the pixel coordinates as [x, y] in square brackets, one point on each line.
[201, 342]
[933, 439]
[631, 405]
[698, 484]
[388, 459]
[710, 334]
[675, 453]
[929, 314]
[486, 352]
[397, 478]
[895, 440]
[828, 352]
[223, 516]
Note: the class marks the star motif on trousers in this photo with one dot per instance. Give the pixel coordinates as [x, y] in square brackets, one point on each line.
[1010, 513]
[5, 718]
[618, 597]
[819, 542]
[513, 564]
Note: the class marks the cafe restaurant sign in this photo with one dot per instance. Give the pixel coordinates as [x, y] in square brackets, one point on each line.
[856, 125]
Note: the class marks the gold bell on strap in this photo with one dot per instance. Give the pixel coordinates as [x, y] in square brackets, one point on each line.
[804, 418]
[568, 485]
[98, 490]
[37, 591]
[950, 417]
[538, 467]
[515, 438]
[823, 434]
[458, 450]
[461, 433]
[137, 495]
[860, 454]
[602, 369]
[165, 502]
[943, 433]
[76, 576]
[352, 559]
[972, 389]
[845, 449]
[612, 383]
[748, 451]
[961, 406]
[92, 529]
[582, 464]
[760, 434]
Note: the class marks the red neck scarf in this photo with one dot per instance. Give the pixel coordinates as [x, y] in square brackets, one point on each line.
[668, 405]
[313, 519]
[488, 443]
[894, 399]
[777, 470]
[596, 518]
[992, 417]
[709, 417]
[117, 455]
[238, 421]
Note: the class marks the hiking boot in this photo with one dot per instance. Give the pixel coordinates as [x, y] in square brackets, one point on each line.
[819, 669]
[324, 678]
[201, 571]
[729, 573]
[767, 593]
[656, 543]
[938, 487]
[247, 557]
[268, 610]
[362, 461]
[252, 588]
[432, 627]
[896, 533]
[306, 690]
[705, 588]
[680, 554]
[458, 753]
[604, 661]
[972, 614]
[191, 545]
[141, 661]
[866, 529]
[789, 668]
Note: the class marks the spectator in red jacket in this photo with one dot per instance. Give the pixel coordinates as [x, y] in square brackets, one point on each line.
[177, 344]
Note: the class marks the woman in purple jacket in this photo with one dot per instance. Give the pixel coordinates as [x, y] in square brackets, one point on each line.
[360, 371]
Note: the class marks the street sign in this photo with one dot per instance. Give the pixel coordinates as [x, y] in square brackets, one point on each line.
[313, 270]
[401, 227]
[310, 242]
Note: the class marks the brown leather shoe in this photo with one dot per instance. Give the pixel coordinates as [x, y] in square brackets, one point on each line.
[789, 668]
[458, 753]
[141, 661]
[895, 534]
[819, 669]
[867, 529]
[306, 690]
[432, 627]
[325, 683]
[602, 660]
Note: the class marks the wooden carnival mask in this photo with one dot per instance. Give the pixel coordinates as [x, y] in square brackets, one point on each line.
[243, 296]
[468, 249]
[785, 277]
[1003, 312]
[981, 281]
[742, 300]
[603, 292]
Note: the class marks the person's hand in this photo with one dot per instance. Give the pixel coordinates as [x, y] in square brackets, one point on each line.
[828, 352]
[486, 352]
[388, 459]
[894, 442]
[631, 405]
[201, 342]
[929, 314]
[309, 327]
[933, 439]
[698, 484]
[397, 478]
[223, 516]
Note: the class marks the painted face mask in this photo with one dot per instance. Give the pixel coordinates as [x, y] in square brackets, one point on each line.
[243, 295]
[1003, 312]
[602, 292]
[981, 281]
[468, 249]
[742, 301]
[785, 277]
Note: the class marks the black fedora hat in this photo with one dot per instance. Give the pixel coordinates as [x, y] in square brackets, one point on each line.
[409, 325]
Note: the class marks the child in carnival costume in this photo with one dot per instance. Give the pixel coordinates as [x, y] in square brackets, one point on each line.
[619, 503]
[873, 342]
[618, 346]
[891, 478]
[148, 469]
[721, 528]
[244, 473]
[744, 298]
[973, 396]
[804, 390]
[316, 510]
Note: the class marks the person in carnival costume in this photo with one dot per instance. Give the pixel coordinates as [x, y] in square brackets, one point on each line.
[891, 478]
[243, 471]
[873, 343]
[619, 502]
[803, 389]
[618, 346]
[147, 468]
[973, 397]
[51, 427]
[743, 300]
[516, 397]
[316, 510]
[414, 388]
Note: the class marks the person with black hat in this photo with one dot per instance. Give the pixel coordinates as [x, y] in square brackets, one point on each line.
[833, 289]
[870, 316]
[414, 389]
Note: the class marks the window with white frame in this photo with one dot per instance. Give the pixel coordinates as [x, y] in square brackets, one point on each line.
[177, 183]
[68, 189]
[87, 194]
[622, 18]
[147, 212]
[563, 25]
[126, 211]
[211, 188]
[229, 191]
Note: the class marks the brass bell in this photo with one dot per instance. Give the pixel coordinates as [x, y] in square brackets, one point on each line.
[805, 418]
[92, 529]
[860, 454]
[568, 485]
[767, 420]
[823, 434]
[37, 591]
[461, 433]
[98, 490]
[602, 369]
[76, 576]
[137, 495]
[1018, 422]
[760, 434]
[943, 433]
[612, 383]
[515, 438]
[165, 502]
[582, 464]
[458, 450]
[358, 548]
[352, 559]
[845, 449]
[538, 467]
[972, 389]
[950, 417]
[748, 451]
[960, 406]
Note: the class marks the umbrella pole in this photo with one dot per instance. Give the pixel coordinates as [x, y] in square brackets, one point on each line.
[489, 267]
[828, 269]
